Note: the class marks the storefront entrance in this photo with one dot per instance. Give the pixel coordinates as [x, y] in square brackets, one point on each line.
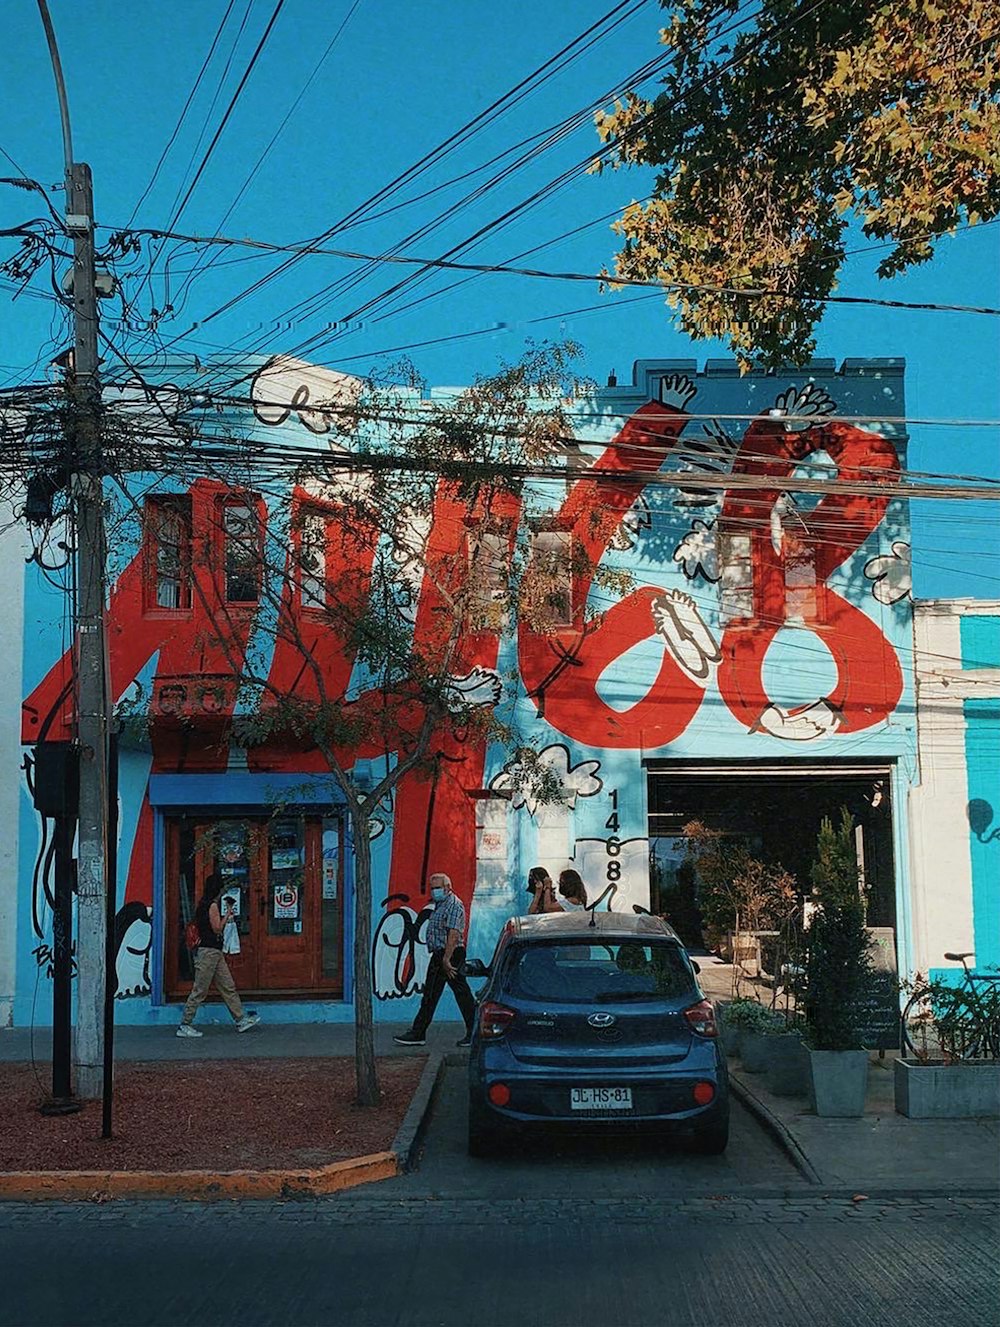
[284, 877]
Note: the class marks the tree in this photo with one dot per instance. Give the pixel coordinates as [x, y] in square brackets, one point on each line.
[372, 577]
[773, 128]
[838, 959]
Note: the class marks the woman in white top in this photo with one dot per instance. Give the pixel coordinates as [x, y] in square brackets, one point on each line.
[572, 891]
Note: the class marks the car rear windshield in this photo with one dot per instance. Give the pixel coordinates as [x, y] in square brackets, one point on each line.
[580, 972]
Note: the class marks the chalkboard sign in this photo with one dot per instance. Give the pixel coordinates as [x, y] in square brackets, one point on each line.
[877, 1019]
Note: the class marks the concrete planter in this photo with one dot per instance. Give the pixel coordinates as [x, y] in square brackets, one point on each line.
[934, 1090]
[755, 1050]
[787, 1071]
[732, 1038]
[838, 1082]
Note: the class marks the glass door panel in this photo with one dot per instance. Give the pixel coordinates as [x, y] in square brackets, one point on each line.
[286, 877]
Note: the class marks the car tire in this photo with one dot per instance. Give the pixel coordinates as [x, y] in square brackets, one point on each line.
[487, 1137]
[712, 1139]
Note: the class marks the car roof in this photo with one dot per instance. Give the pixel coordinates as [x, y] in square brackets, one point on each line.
[610, 925]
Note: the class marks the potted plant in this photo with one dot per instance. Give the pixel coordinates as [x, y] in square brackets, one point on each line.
[838, 975]
[737, 1017]
[760, 1029]
[950, 1067]
[739, 896]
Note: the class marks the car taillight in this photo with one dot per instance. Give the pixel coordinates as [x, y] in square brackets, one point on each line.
[494, 1020]
[701, 1018]
[499, 1094]
[703, 1093]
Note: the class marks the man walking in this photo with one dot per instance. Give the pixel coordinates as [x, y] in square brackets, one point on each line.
[446, 942]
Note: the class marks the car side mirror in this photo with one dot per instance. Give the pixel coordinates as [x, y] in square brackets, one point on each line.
[475, 967]
[696, 966]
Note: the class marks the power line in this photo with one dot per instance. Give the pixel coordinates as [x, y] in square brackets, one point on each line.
[321, 238]
[601, 278]
[229, 110]
[198, 270]
[187, 106]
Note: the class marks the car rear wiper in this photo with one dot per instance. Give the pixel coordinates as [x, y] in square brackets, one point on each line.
[626, 995]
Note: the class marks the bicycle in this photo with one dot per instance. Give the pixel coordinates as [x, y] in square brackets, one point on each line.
[954, 1022]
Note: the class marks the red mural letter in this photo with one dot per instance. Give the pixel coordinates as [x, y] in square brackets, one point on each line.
[869, 679]
[562, 667]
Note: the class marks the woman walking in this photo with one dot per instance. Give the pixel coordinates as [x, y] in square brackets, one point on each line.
[210, 963]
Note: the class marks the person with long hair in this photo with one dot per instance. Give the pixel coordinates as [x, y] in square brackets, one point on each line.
[542, 890]
[572, 891]
[210, 963]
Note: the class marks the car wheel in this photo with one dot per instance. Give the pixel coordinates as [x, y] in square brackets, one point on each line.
[712, 1139]
[487, 1136]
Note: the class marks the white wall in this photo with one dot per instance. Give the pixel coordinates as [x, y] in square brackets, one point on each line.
[941, 873]
[12, 553]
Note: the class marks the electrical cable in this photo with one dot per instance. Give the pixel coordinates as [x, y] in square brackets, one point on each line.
[187, 106]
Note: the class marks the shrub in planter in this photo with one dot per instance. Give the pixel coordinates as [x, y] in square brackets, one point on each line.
[838, 975]
[757, 1038]
[737, 1017]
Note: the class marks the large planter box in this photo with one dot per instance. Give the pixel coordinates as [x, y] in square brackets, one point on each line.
[755, 1050]
[838, 1082]
[787, 1071]
[935, 1090]
[732, 1038]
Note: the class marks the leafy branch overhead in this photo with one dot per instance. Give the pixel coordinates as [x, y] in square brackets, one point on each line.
[774, 127]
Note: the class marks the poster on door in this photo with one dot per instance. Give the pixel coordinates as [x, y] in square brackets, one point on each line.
[286, 901]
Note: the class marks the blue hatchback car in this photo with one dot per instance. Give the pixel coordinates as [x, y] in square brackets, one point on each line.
[596, 1020]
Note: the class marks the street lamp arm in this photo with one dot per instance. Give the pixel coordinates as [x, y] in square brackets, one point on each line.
[50, 37]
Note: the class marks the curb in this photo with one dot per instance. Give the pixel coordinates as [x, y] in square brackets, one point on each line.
[100, 1185]
[776, 1129]
[411, 1131]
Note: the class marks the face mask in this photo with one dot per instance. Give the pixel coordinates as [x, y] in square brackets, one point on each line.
[437, 893]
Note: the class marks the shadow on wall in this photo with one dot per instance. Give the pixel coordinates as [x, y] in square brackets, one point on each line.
[980, 815]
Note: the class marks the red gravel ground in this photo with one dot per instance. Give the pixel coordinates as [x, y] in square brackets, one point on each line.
[235, 1115]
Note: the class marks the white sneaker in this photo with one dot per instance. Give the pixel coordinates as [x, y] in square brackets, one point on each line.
[247, 1022]
[186, 1030]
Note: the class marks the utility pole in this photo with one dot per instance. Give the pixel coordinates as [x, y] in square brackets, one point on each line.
[91, 660]
[91, 672]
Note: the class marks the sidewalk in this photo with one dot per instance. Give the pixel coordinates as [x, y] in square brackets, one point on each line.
[221, 1041]
[880, 1151]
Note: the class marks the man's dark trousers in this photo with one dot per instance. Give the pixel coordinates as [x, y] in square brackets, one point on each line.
[434, 984]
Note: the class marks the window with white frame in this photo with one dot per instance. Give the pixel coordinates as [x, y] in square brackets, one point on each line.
[549, 586]
[242, 552]
[168, 552]
[735, 577]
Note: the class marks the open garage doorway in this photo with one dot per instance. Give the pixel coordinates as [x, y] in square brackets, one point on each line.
[776, 811]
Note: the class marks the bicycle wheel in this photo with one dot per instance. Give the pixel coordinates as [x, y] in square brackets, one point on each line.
[939, 1024]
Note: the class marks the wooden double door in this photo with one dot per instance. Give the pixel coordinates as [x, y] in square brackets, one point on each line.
[284, 878]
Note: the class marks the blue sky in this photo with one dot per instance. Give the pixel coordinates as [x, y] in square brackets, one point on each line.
[400, 78]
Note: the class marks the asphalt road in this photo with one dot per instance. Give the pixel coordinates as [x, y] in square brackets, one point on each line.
[575, 1167]
[382, 1262]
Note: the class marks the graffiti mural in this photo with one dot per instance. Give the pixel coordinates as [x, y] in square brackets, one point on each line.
[728, 585]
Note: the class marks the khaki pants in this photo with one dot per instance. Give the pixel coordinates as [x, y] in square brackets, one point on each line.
[210, 965]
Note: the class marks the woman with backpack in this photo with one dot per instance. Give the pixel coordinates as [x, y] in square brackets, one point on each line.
[210, 962]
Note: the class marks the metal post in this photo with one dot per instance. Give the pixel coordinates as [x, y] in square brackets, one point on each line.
[110, 972]
[91, 672]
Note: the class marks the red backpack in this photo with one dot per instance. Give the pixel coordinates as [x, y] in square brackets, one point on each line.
[192, 935]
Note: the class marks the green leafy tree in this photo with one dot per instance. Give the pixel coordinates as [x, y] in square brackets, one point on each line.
[774, 127]
[838, 956]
